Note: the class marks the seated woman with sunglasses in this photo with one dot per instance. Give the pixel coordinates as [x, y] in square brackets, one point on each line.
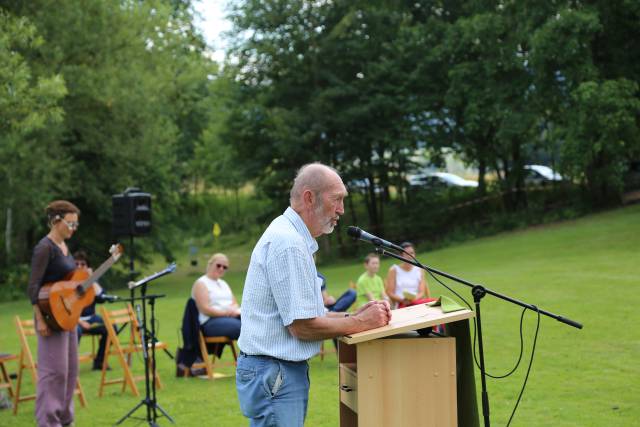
[219, 313]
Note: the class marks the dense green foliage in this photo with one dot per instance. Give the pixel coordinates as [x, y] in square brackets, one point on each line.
[98, 97]
[362, 85]
[586, 270]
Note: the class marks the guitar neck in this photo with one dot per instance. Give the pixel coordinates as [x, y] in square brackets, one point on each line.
[98, 273]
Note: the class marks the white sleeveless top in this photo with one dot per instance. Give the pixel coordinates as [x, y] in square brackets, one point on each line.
[220, 296]
[407, 280]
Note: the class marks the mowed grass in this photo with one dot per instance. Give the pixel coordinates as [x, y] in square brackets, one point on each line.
[587, 270]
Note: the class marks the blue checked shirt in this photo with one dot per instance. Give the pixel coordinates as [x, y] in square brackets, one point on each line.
[281, 286]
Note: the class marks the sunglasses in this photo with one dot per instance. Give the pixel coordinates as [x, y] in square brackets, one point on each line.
[72, 225]
[226, 267]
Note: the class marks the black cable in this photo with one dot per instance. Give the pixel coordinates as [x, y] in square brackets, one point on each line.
[519, 357]
[475, 330]
[524, 384]
[533, 349]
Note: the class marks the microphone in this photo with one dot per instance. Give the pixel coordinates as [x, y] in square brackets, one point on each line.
[109, 298]
[357, 233]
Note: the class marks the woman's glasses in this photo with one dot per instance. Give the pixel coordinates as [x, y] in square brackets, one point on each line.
[226, 267]
[72, 225]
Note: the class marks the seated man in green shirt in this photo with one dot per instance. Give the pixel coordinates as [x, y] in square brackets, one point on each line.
[370, 285]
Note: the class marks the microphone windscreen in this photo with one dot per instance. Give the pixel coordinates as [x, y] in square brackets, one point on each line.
[353, 232]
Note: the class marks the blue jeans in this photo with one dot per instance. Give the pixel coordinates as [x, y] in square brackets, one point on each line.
[222, 326]
[96, 330]
[344, 302]
[272, 392]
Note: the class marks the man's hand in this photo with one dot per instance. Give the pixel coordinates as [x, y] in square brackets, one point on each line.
[84, 324]
[374, 314]
[364, 307]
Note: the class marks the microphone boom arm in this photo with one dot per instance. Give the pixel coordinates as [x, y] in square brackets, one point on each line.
[479, 288]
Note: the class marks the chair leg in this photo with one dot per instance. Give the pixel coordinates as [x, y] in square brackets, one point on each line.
[128, 376]
[16, 397]
[156, 377]
[205, 356]
[80, 392]
[7, 379]
[235, 354]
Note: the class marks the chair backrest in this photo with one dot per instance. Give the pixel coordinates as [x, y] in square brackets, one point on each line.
[25, 328]
[121, 316]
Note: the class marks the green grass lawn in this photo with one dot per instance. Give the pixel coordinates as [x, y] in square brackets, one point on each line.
[587, 270]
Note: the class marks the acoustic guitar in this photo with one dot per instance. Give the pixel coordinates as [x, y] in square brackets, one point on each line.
[62, 302]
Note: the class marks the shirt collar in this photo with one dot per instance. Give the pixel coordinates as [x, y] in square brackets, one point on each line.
[301, 228]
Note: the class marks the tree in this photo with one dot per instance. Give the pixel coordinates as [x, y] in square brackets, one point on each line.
[32, 165]
[330, 82]
[136, 78]
[600, 135]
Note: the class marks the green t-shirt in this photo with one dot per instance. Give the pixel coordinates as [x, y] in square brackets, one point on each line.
[373, 285]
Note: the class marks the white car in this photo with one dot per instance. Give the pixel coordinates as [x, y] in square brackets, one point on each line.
[440, 179]
[540, 175]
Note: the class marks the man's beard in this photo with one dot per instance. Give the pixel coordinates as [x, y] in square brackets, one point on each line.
[326, 220]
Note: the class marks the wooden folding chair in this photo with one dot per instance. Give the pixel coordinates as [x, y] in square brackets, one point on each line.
[25, 329]
[124, 351]
[209, 359]
[5, 379]
[89, 356]
[324, 351]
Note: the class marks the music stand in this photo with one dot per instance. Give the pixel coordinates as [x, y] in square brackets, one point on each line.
[147, 336]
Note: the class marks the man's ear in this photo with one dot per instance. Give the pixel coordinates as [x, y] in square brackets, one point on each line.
[308, 197]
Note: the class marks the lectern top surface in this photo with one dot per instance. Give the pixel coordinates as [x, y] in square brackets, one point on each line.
[409, 319]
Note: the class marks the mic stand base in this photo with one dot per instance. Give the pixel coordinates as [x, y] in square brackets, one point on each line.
[149, 363]
[150, 406]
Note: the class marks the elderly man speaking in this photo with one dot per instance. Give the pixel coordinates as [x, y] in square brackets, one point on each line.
[283, 317]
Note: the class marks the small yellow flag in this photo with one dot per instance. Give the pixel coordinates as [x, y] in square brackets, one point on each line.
[216, 229]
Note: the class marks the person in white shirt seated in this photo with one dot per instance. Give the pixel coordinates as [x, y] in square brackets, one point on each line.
[218, 310]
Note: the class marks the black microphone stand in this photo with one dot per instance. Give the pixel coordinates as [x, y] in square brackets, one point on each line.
[147, 336]
[478, 292]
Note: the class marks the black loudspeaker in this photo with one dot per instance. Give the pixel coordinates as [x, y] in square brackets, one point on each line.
[131, 213]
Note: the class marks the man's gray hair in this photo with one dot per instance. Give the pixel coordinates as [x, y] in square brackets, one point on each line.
[311, 176]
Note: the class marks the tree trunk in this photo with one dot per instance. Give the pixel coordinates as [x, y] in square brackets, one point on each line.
[482, 171]
[7, 234]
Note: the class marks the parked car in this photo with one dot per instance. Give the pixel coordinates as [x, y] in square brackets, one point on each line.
[540, 175]
[440, 180]
[361, 186]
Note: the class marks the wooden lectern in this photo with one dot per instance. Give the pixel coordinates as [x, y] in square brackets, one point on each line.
[393, 376]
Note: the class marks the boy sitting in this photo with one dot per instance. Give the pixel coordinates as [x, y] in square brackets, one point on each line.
[370, 286]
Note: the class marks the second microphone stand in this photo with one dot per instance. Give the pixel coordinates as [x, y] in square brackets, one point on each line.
[478, 292]
[148, 345]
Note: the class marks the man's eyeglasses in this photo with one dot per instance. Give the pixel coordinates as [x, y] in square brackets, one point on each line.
[72, 225]
[226, 267]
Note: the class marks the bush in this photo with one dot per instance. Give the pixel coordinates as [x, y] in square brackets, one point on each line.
[13, 282]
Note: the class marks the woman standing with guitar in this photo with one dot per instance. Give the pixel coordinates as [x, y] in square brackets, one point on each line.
[57, 350]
